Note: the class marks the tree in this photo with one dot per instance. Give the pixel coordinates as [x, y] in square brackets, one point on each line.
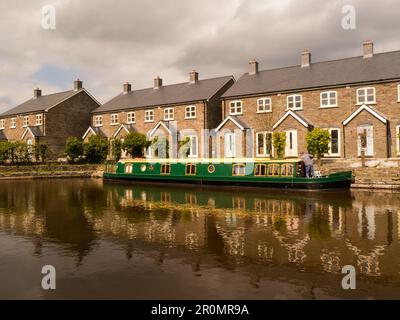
[318, 142]
[96, 149]
[41, 151]
[135, 143]
[184, 147]
[279, 141]
[116, 149]
[5, 148]
[74, 149]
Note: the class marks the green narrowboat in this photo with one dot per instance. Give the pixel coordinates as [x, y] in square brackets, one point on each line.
[242, 172]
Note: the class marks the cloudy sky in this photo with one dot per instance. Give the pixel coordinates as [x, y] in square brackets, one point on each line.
[108, 42]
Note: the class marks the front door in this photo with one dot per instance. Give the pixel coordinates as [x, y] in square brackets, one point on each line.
[365, 140]
[230, 147]
[291, 143]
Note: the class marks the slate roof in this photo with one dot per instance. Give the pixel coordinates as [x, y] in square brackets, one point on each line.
[39, 104]
[382, 66]
[36, 131]
[165, 95]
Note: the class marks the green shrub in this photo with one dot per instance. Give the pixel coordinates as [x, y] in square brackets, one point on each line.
[96, 149]
[318, 142]
[116, 149]
[74, 149]
[41, 152]
[279, 142]
[135, 143]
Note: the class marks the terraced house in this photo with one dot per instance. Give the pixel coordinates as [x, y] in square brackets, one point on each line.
[357, 99]
[177, 112]
[49, 118]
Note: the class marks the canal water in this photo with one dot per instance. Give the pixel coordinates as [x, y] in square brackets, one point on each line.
[109, 240]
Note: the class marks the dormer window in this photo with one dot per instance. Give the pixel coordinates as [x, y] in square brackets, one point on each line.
[295, 102]
[366, 96]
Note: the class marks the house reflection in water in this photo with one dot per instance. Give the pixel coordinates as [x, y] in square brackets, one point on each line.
[316, 231]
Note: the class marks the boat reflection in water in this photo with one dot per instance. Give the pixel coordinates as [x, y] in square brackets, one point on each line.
[128, 241]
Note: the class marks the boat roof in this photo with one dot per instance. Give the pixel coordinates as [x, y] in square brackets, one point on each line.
[212, 160]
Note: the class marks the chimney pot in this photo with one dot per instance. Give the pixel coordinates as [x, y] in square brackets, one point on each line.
[127, 88]
[37, 93]
[157, 83]
[77, 85]
[253, 67]
[306, 58]
[368, 49]
[193, 77]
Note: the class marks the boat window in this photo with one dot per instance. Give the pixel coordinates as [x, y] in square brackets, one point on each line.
[273, 169]
[128, 167]
[238, 170]
[287, 170]
[190, 169]
[211, 168]
[143, 168]
[165, 169]
[260, 170]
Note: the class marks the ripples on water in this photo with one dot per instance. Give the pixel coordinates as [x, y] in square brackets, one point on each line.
[129, 241]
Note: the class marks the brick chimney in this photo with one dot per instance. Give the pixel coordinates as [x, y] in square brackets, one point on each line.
[157, 83]
[77, 85]
[368, 49]
[253, 67]
[306, 58]
[193, 77]
[127, 88]
[37, 93]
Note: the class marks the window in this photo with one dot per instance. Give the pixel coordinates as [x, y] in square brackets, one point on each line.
[211, 168]
[128, 167]
[334, 144]
[260, 170]
[190, 112]
[366, 95]
[190, 169]
[238, 170]
[130, 117]
[398, 93]
[165, 169]
[264, 144]
[264, 105]
[328, 99]
[295, 102]
[273, 169]
[114, 118]
[235, 107]
[26, 121]
[193, 147]
[398, 139]
[169, 114]
[13, 123]
[39, 119]
[98, 121]
[149, 116]
[287, 170]
[2, 123]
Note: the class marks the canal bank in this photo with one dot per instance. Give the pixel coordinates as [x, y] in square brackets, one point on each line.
[49, 171]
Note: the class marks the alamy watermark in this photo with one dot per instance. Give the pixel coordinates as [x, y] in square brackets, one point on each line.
[49, 21]
[349, 21]
[349, 280]
[49, 280]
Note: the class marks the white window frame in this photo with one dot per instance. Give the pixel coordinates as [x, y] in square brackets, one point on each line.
[329, 105]
[398, 93]
[2, 124]
[25, 122]
[264, 133]
[365, 94]
[190, 112]
[168, 114]
[131, 117]
[329, 153]
[13, 123]
[235, 107]
[398, 139]
[193, 153]
[149, 116]
[114, 119]
[294, 96]
[39, 119]
[263, 105]
[98, 121]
